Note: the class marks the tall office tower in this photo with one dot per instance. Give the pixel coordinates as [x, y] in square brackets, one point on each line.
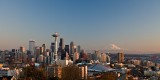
[23, 53]
[51, 51]
[37, 53]
[61, 43]
[98, 54]
[52, 47]
[41, 50]
[32, 47]
[67, 56]
[75, 57]
[18, 55]
[56, 47]
[40, 58]
[22, 49]
[81, 53]
[61, 52]
[44, 48]
[65, 52]
[14, 54]
[67, 49]
[47, 53]
[84, 56]
[103, 58]
[120, 57]
[75, 49]
[79, 48]
[72, 48]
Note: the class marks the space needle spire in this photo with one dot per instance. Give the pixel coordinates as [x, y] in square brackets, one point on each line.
[55, 55]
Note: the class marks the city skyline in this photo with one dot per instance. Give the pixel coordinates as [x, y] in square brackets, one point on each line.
[132, 26]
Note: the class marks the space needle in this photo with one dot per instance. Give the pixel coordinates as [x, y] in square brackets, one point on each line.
[55, 56]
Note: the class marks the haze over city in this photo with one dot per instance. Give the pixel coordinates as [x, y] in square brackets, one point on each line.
[129, 25]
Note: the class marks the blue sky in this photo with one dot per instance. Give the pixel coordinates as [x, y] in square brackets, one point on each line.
[133, 25]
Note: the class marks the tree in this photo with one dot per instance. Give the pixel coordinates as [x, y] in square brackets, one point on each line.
[31, 72]
[71, 72]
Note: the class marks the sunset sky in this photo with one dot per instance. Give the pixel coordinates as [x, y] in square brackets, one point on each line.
[131, 25]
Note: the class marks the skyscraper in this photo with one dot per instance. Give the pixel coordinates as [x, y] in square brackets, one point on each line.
[103, 58]
[41, 50]
[22, 52]
[98, 55]
[22, 49]
[72, 49]
[61, 51]
[32, 47]
[37, 52]
[67, 48]
[81, 53]
[44, 48]
[61, 43]
[75, 49]
[120, 57]
[75, 57]
[52, 47]
[79, 48]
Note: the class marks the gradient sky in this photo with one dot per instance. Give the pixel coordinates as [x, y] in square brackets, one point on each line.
[133, 25]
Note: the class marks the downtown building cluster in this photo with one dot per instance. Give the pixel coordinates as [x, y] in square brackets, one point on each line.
[70, 62]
